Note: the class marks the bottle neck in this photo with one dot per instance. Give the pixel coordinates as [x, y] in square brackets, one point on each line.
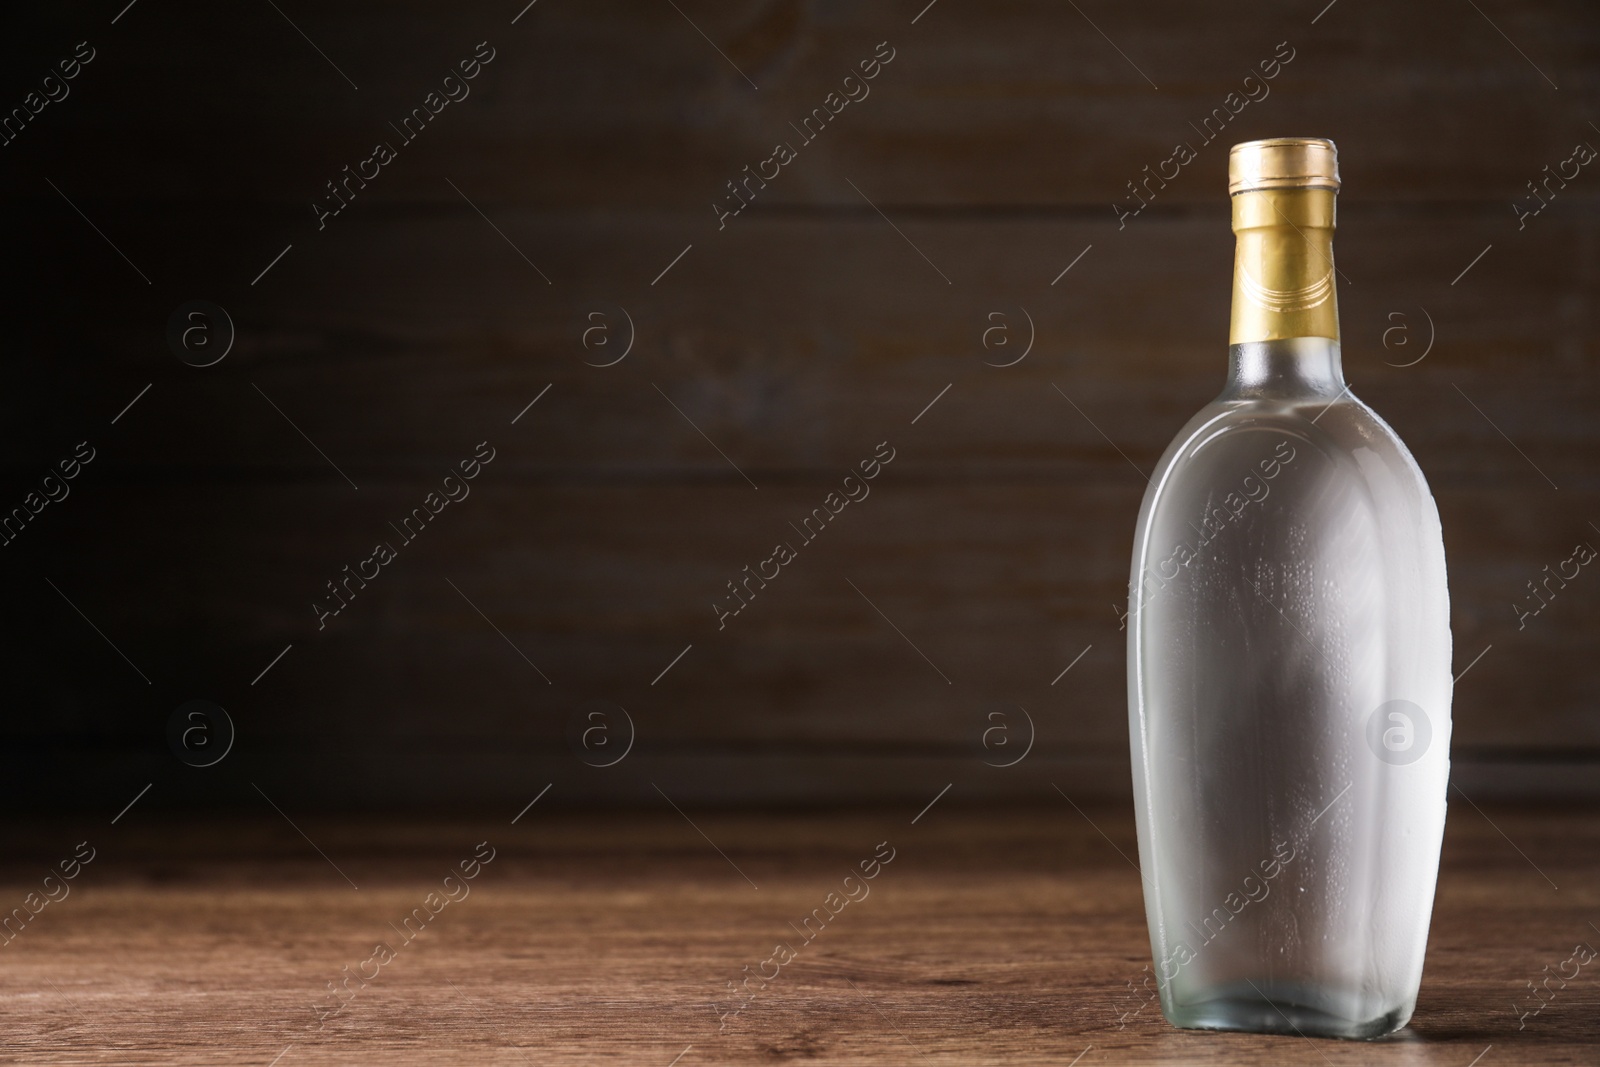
[1283, 274]
[1290, 368]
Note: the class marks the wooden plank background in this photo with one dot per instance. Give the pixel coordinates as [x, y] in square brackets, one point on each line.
[797, 338]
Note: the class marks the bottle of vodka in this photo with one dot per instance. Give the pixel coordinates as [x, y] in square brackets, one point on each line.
[1288, 660]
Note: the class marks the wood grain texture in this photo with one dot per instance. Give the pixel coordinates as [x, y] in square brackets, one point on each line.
[994, 935]
[1006, 586]
[625, 104]
[792, 341]
[405, 337]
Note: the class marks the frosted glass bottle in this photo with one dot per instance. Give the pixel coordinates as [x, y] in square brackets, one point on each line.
[1288, 660]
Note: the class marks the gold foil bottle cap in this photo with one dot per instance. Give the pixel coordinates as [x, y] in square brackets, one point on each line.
[1283, 163]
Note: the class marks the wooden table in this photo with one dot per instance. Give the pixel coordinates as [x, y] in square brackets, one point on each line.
[993, 936]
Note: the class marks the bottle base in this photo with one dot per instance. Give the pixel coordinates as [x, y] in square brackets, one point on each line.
[1254, 1013]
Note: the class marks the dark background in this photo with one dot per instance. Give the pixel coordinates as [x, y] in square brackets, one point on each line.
[797, 338]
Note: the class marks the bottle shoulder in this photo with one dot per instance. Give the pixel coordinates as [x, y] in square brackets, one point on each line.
[1244, 447]
[1343, 429]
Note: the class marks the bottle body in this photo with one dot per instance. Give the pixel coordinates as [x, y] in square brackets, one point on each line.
[1289, 683]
